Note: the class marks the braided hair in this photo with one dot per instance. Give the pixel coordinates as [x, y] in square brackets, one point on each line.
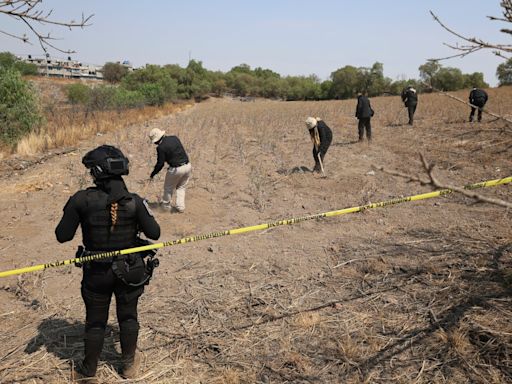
[113, 215]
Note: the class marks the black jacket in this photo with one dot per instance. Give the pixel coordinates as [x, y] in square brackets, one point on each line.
[89, 209]
[325, 135]
[410, 97]
[478, 97]
[169, 150]
[364, 109]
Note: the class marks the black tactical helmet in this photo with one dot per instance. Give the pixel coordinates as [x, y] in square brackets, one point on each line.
[106, 161]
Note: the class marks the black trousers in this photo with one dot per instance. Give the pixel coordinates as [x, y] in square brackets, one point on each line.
[321, 151]
[365, 122]
[98, 284]
[473, 109]
[411, 109]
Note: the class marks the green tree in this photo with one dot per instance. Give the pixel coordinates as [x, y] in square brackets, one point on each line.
[449, 79]
[346, 82]
[504, 72]
[8, 60]
[114, 72]
[475, 79]
[19, 111]
[156, 76]
[428, 71]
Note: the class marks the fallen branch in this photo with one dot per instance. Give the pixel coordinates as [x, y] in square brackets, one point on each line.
[435, 182]
[471, 105]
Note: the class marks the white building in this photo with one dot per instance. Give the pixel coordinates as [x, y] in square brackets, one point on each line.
[51, 67]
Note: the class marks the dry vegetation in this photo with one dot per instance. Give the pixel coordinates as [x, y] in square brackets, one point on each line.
[66, 125]
[416, 293]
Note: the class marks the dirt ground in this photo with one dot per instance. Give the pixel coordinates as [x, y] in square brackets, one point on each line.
[414, 293]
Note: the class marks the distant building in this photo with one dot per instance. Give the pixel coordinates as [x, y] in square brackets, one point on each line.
[71, 69]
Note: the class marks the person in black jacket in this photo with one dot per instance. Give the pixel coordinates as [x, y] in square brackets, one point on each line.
[169, 149]
[364, 113]
[321, 136]
[410, 99]
[477, 98]
[111, 218]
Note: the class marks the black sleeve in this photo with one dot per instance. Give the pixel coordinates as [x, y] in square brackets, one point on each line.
[145, 219]
[322, 133]
[358, 107]
[68, 225]
[160, 161]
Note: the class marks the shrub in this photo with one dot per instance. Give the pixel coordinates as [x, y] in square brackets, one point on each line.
[114, 72]
[125, 99]
[78, 93]
[19, 110]
[101, 98]
[153, 93]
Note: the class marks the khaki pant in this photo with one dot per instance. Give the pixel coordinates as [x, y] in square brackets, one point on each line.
[176, 179]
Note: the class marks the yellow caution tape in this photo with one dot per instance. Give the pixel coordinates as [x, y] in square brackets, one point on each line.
[103, 255]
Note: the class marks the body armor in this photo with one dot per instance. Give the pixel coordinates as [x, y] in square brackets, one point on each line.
[97, 223]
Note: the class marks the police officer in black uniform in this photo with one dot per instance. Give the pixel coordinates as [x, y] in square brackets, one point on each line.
[111, 219]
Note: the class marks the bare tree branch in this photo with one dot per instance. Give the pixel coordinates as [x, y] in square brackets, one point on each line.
[474, 44]
[29, 13]
[471, 105]
[429, 168]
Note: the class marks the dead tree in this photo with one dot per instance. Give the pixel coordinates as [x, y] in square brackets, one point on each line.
[29, 12]
[474, 44]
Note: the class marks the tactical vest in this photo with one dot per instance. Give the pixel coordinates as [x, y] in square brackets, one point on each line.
[97, 222]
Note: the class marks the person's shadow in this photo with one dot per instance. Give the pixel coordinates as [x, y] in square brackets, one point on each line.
[65, 340]
[299, 169]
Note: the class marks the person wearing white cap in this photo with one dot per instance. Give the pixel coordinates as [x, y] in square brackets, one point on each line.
[170, 150]
[321, 136]
[410, 99]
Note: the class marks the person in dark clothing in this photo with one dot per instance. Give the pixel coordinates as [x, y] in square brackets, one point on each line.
[364, 113]
[169, 149]
[477, 98]
[321, 136]
[111, 218]
[410, 99]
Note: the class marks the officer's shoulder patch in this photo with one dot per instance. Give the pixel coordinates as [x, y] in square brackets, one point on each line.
[145, 202]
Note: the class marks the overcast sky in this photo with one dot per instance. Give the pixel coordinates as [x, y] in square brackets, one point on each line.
[291, 37]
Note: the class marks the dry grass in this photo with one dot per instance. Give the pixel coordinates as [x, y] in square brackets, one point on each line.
[418, 293]
[66, 128]
[66, 125]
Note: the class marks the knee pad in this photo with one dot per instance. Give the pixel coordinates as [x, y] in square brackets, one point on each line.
[94, 333]
[129, 326]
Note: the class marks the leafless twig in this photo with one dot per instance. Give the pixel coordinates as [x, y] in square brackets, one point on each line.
[429, 168]
[29, 13]
[474, 44]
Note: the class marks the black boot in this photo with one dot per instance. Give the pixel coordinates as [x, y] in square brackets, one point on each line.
[93, 344]
[129, 333]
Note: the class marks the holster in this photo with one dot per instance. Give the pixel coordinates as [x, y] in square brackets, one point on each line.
[131, 269]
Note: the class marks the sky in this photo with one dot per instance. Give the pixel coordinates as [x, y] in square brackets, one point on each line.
[291, 37]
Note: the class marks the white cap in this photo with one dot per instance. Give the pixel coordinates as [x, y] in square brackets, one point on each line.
[155, 135]
[311, 122]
